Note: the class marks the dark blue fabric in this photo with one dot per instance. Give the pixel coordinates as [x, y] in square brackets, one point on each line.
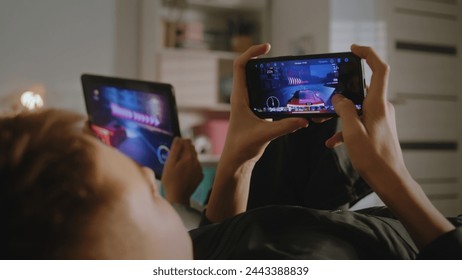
[298, 169]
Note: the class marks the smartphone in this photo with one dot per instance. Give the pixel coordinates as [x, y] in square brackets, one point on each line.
[303, 86]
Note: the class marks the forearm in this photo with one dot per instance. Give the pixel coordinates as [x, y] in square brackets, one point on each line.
[373, 146]
[403, 195]
[246, 140]
[230, 189]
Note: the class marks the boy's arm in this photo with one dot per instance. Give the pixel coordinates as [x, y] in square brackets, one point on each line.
[246, 139]
[374, 150]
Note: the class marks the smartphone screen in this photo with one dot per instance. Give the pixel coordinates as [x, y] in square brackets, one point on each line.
[303, 86]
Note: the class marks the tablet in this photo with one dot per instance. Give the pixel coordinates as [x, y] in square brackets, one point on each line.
[138, 118]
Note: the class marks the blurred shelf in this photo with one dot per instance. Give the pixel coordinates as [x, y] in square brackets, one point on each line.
[209, 159]
[215, 108]
[228, 55]
[230, 4]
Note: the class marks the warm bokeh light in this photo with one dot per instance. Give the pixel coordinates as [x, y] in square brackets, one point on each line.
[31, 100]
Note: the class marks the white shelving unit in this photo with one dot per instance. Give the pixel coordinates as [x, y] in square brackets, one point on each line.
[196, 75]
[201, 71]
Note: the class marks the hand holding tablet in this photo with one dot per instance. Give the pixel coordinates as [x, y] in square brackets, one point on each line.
[138, 118]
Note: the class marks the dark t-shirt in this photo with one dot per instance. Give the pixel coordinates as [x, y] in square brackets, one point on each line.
[291, 232]
[448, 246]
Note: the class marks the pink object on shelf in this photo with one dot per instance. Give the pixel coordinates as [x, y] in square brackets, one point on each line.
[216, 131]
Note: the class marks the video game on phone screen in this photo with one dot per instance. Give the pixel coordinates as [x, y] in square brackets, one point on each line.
[304, 86]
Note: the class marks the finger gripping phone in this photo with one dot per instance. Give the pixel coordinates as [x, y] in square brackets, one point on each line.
[303, 86]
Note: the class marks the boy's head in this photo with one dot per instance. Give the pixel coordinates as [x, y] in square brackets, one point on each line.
[64, 195]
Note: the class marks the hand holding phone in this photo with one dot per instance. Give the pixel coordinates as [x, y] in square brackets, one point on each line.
[303, 86]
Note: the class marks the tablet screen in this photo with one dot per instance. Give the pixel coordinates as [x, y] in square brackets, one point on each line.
[138, 118]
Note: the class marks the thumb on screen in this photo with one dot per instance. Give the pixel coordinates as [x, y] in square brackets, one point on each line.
[351, 122]
[344, 107]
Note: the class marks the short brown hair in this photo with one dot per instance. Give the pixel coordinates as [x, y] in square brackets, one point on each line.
[47, 187]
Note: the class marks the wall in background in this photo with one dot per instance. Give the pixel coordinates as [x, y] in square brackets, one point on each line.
[47, 44]
[420, 40]
[299, 26]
